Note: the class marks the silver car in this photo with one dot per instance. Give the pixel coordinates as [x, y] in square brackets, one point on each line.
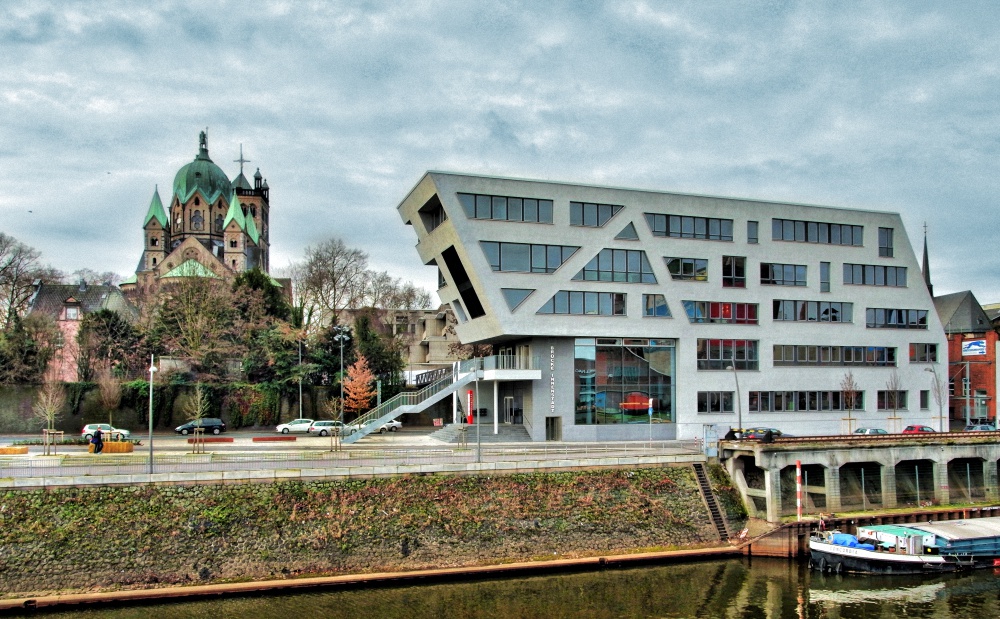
[870, 431]
[325, 427]
[106, 431]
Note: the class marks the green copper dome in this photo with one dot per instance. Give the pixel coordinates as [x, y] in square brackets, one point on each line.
[201, 175]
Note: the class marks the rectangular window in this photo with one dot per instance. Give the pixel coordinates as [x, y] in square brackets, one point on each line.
[813, 311]
[874, 275]
[687, 269]
[655, 306]
[892, 318]
[805, 401]
[503, 208]
[923, 353]
[824, 277]
[734, 274]
[816, 232]
[885, 242]
[813, 355]
[925, 399]
[585, 303]
[715, 401]
[524, 258]
[752, 235]
[891, 400]
[775, 274]
[726, 354]
[686, 227]
[721, 312]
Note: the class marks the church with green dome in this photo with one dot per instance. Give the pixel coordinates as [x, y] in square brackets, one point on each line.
[211, 227]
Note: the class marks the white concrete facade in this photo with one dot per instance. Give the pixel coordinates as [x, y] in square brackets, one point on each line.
[447, 233]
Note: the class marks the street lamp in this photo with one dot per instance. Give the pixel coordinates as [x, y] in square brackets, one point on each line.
[152, 370]
[340, 338]
[300, 377]
[938, 396]
[739, 407]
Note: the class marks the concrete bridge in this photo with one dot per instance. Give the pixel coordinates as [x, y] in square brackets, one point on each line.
[844, 473]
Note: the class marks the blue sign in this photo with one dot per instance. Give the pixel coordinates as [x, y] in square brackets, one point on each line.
[973, 347]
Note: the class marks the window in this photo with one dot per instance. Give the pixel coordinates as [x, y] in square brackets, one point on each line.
[734, 274]
[889, 318]
[618, 265]
[891, 400]
[233, 243]
[752, 237]
[432, 213]
[885, 242]
[628, 233]
[721, 312]
[524, 258]
[615, 378]
[72, 313]
[585, 303]
[874, 275]
[687, 227]
[811, 355]
[813, 311]
[690, 269]
[442, 282]
[715, 401]
[824, 277]
[591, 215]
[655, 306]
[153, 241]
[794, 401]
[774, 274]
[817, 232]
[923, 353]
[925, 399]
[505, 208]
[723, 354]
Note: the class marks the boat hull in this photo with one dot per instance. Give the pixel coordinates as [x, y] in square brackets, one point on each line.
[828, 557]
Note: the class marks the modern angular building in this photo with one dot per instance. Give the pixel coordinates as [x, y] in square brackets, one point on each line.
[660, 314]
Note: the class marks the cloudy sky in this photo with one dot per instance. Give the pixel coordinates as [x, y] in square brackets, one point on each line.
[344, 105]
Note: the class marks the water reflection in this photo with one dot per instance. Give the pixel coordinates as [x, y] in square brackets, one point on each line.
[731, 589]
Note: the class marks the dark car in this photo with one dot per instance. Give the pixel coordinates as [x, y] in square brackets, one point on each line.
[211, 424]
[760, 432]
[918, 430]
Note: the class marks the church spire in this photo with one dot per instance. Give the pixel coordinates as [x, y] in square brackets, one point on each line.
[156, 210]
[235, 213]
[925, 268]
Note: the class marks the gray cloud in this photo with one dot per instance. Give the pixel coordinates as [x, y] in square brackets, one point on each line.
[344, 105]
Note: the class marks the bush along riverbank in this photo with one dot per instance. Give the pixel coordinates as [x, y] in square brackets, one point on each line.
[91, 539]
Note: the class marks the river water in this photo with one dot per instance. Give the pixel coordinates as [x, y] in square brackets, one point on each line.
[734, 588]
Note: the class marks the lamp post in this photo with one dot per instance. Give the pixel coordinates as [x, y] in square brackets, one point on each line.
[152, 370]
[300, 377]
[739, 406]
[340, 338]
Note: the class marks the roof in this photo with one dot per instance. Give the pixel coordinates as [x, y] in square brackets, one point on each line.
[241, 182]
[202, 175]
[963, 529]
[190, 268]
[50, 299]
[960, 312]
[156, 210]
[251, 230]
[235, 213]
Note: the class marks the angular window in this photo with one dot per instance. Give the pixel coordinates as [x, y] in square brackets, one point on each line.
[515, 296]
[590, 214]
[687, 227]
[618, 265]
[585, 303]
[628, 233]
[505, 208]
[524, 258]
[655, 306]
[432, 213]
[462, 282]
[690, 269]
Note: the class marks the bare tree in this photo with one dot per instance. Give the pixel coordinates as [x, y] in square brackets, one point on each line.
[850, 394]
[19, 268]
[940, 397]
[332, 278]
[892, 402]
[110, 392]
[49, 403]
[196, 409]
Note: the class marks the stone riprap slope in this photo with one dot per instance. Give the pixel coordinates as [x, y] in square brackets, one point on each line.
[145, 536]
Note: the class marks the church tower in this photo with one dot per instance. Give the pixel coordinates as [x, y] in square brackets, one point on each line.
[157, 234]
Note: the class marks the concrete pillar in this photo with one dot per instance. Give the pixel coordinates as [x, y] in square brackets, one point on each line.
[941, 487]
[496, 407]
[990, 480]
[833, 489]
[772, 487]
[454, 407]
[888, 485]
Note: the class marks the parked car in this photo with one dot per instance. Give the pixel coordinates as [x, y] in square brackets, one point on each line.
[108, 432]
[918, 430]
[980, 427]
[389, 426]
[760, 432]
[325, 427]
[870, 431]
[295, 425]
[212, 425]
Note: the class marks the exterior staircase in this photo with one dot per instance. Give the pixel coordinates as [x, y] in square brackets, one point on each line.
[718, 519]
[452, 433]
[462, 374]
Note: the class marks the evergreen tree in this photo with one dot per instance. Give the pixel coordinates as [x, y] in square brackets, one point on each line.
[275, 304]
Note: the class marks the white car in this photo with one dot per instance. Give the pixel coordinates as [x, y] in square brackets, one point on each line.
[325, 427]
[106, 432]
[295, 425]
[389, 426]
